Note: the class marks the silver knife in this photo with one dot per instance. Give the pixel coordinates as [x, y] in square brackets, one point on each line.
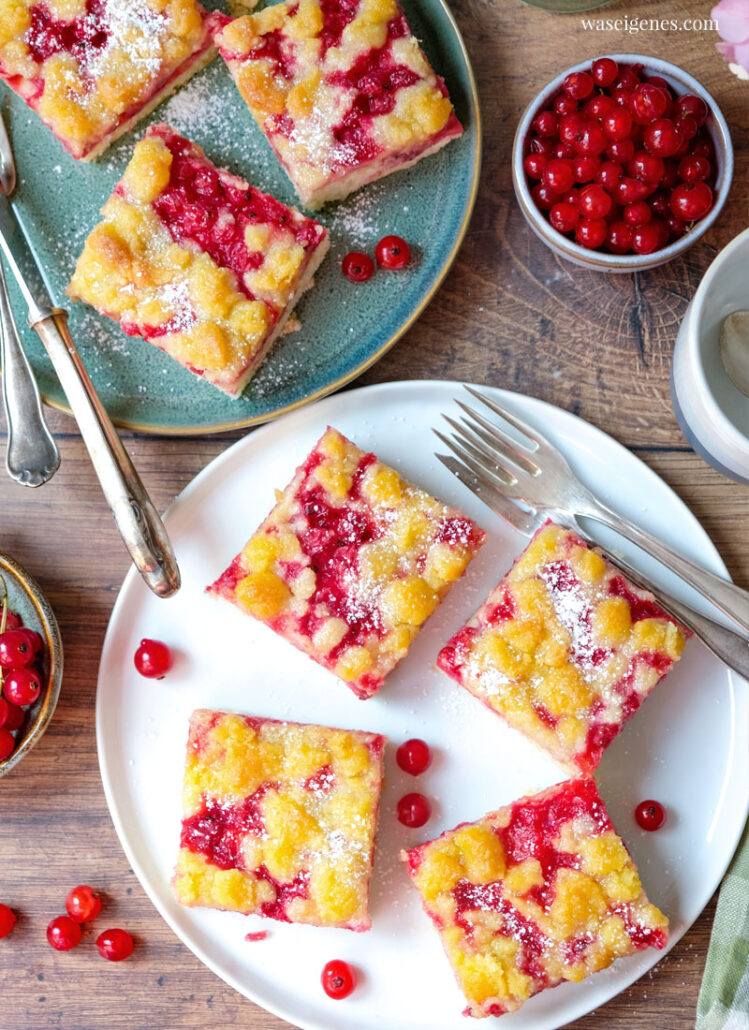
[138, 521]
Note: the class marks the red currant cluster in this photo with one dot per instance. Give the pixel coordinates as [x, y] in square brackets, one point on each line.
[414, 757]
[620, 161]
[392, 253]
[83, 905]
[21, 651]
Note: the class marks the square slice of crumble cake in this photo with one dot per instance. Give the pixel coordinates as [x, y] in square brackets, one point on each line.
[565, 648]
[350, 562]
[539, 892]
[92, 68]
[342, 90]
[197, 261]
[279, 819]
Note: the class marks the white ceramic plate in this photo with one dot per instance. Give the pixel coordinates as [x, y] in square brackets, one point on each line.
[687, 747]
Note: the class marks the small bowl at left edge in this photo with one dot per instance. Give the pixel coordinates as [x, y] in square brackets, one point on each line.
[25, 597]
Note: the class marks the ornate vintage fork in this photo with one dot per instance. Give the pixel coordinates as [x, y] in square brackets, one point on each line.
[731, 648]
[530, 469]
[31, 455]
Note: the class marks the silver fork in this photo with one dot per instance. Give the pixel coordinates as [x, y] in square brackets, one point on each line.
[726, 645]
[531, 470]
[31, 455]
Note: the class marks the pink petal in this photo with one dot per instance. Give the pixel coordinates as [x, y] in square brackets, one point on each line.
[741, 55]
[732, 17]
[726, 51]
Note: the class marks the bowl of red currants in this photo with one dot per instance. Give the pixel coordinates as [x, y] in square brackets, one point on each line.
[30, 663]
[622, 163]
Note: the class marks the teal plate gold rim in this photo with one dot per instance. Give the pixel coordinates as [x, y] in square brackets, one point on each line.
[346, 327]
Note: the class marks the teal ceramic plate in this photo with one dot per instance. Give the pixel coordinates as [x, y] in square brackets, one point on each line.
[345, 327]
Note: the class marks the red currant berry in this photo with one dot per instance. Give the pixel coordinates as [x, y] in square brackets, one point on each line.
[22, 686]
[83, 904]
[687, 126]
[34, 639]
[659, 203]
[648, 102]
[598, 106]
[703, 146]
[578, 85]
[413, 810]
[592, 139]
[16, 650]
[533, 165]
[545, 125]
[558, 176]
[662, 137]
[7, 744]
[620, 150]
[691, 201]
[629, 190]
[414, 756]
[594, 201]
[622, 97]
[646, 167]
[7, 920]
[693, 168]
[115, 945]
[646, 238]
[638, 213]
[618, 124]
[564, 104]
[670, 175]
[11, 716]
[584, 168]
[619, 237]
[629, 77]
[13, 620]
[609, 174]
[658, 80]
[675, 226]
[590, 232]
[570, 127]
[565, 150]
[604, 71]
[694, 107]
[543, 197]
[154, 659]
[63, 933]
[357, 266]
[539, 146]
[338, 980]
[650, 815]
[392, 253]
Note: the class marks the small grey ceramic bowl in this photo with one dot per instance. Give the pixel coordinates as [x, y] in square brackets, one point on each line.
[712, 412]
[602, 261]
[26, 598]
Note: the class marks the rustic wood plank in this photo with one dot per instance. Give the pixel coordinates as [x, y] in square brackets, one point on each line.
[509, 314]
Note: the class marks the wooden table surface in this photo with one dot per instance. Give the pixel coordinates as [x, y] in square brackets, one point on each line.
[509, 314]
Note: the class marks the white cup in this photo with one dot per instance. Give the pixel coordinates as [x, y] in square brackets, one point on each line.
[712, 412]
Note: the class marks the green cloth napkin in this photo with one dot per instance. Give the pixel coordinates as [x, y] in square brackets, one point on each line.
[723, 1003]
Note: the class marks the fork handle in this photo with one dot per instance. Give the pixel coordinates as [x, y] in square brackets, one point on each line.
[726, 596]
[138, 521]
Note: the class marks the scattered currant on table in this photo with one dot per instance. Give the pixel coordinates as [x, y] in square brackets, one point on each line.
[115, 944]
[153, 659]
[414, 756]
[620, 162]
[7, 920]
[63, 933]
[83, 904]
[338, 980]
[414, 810]
[650, 815]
